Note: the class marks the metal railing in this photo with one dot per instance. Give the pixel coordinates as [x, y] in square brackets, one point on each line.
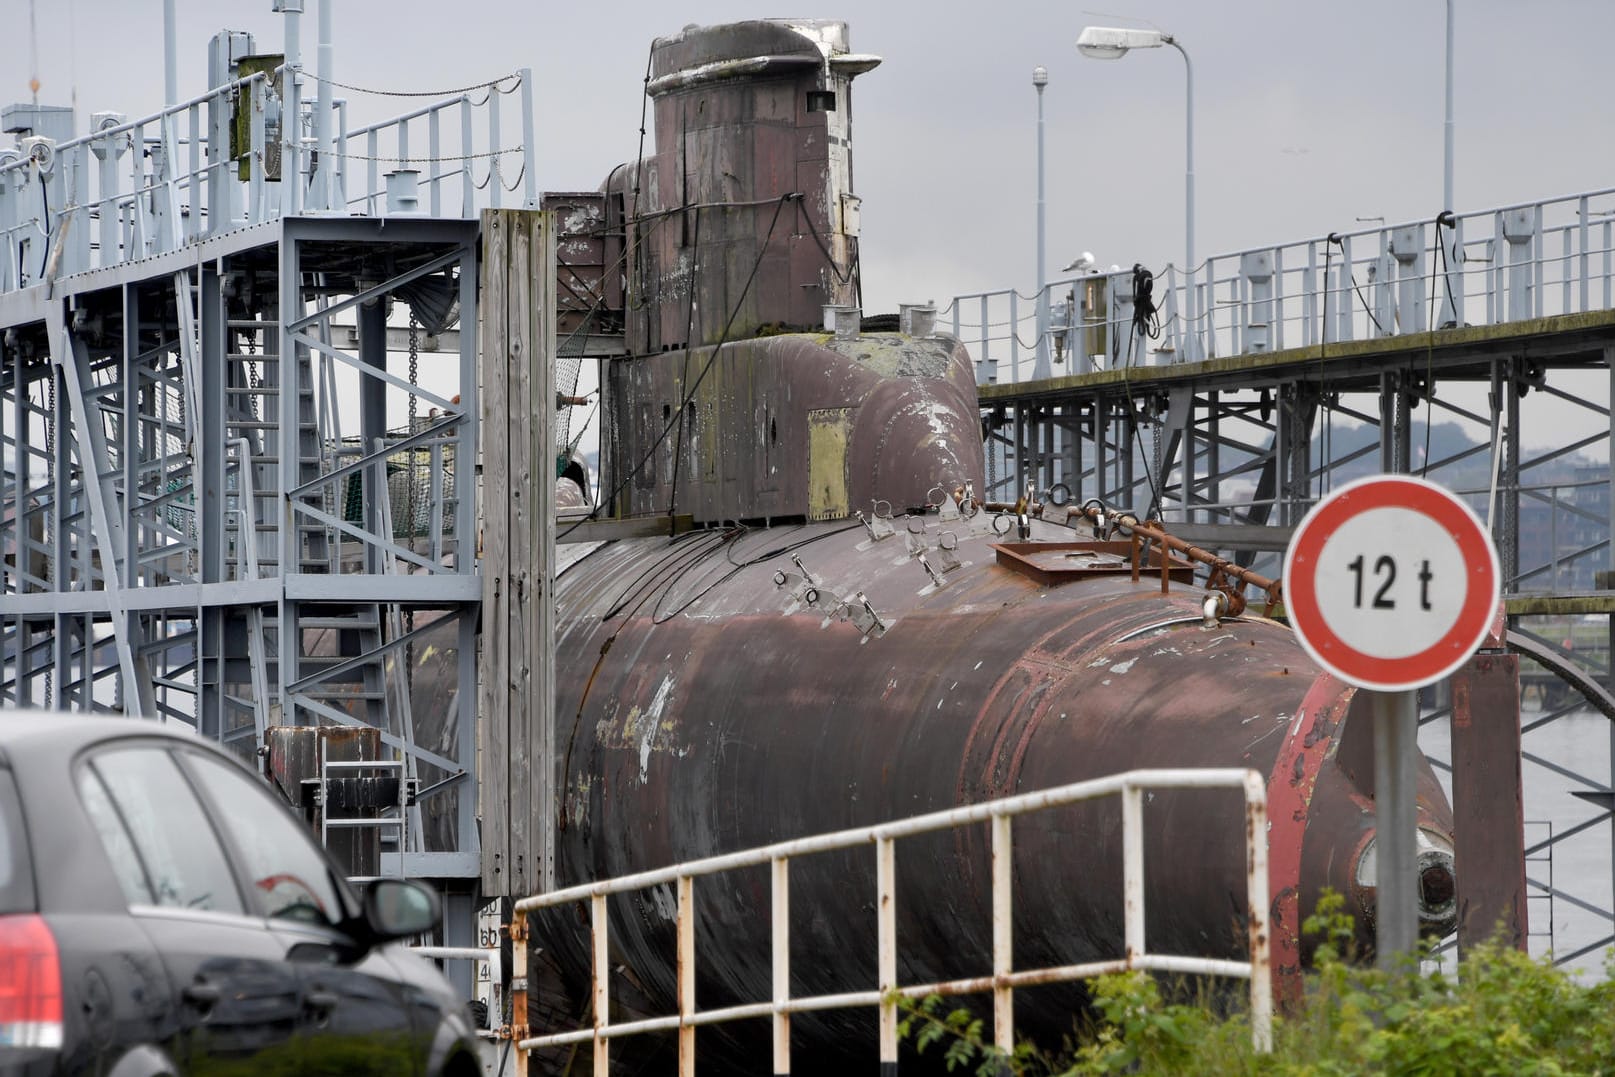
[886, 997]
[1508, 264]
[220, 162]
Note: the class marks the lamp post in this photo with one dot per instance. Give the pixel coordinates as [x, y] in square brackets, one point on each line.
[1111, 43]
[1451, 313]
[1446, 174]
[1041, 368]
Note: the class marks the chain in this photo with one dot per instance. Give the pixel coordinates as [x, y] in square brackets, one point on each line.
[252, 370]
[418, 159]
[414, 407]
[50, 558]
[413, 499]
[514, 78]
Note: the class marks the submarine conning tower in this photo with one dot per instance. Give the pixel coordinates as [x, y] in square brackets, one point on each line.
[746, 114]
[734, 401]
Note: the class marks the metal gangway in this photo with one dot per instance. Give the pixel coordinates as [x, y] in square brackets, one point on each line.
[1476, 349]
[1529, 260]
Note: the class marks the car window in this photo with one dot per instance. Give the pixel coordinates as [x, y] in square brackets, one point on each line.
[291, 877]
[169, 829]
[16, 874]
[115, 838]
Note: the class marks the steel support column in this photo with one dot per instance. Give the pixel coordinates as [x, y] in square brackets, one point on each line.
[1488, 812]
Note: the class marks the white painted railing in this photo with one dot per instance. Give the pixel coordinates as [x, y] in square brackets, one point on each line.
[1508, 264]
[1003, 979]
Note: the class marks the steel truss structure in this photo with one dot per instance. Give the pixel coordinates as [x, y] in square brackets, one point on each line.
[239, 427]
[200, 529]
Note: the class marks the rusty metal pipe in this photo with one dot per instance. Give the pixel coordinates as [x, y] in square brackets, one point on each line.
[1093, 513]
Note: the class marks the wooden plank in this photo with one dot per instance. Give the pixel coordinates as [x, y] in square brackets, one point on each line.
[493, 659]
[545, 750]
[517, 674]
[518, 415]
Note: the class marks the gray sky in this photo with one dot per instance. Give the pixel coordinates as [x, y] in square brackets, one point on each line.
[1307, 115]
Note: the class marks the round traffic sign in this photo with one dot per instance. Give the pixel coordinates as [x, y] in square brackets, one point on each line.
[1391, 582]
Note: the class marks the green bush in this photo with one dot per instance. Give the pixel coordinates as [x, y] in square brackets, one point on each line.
[1504, 1014]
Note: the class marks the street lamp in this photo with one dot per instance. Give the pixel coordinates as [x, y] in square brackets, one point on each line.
[1112, 43]
[1041, 368]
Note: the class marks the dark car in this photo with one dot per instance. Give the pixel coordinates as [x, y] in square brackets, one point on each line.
[163, 913]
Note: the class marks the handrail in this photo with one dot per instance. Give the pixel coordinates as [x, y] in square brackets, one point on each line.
[1497, 265]
[163, 182]
[1003, 979]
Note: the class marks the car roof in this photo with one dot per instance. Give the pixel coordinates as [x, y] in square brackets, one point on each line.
[26, 734]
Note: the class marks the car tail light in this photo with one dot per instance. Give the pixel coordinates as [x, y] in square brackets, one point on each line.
[30, 983]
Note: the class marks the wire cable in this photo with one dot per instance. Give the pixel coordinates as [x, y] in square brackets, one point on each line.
[514, 78]
[658, 618]
[1146, 323]
[684, 378]
[841, 278]
[44, 196]
[639, 170]
[689, 393]
[1378, 328]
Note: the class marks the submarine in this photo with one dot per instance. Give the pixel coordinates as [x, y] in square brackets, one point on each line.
[838, 630]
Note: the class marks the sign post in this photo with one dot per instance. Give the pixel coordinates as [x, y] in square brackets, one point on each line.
[1391, 583]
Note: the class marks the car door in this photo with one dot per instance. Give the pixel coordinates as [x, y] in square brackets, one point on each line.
[357, 1017]
[235, 998]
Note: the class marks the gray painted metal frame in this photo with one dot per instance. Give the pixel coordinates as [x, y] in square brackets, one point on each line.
[176, 539]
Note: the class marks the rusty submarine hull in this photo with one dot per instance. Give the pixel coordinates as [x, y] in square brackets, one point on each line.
[739, 686]
[847, 635]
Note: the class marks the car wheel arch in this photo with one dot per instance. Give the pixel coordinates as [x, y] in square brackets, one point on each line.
[144, 1061]
[461, 1064]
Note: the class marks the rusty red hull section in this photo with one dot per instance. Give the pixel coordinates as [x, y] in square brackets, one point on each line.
[705, 707]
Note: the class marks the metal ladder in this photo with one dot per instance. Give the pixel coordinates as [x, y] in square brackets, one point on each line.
[331, 770]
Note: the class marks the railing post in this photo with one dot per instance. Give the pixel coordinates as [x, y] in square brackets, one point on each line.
[376, 205]
[1133, 869]
[986, 358]
[686, 974]
[1276, 316]
[1003, 936]
[1453, 270]
[518, 932]
[434, 153]
[1015, 339]
[468, 187]
[193, 182]
[496, 182]
[339, 199]
[781, 868]
[257, 160]
[1256, 901]
[1309, 294]
[529, 146]
[1565, 274]
[1609, 255]
[1538, 258]
[886, 927]
[599, 972]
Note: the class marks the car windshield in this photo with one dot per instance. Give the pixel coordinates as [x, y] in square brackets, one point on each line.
[16, 875]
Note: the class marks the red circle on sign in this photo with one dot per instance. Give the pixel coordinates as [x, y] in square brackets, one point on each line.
[1438, 659]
